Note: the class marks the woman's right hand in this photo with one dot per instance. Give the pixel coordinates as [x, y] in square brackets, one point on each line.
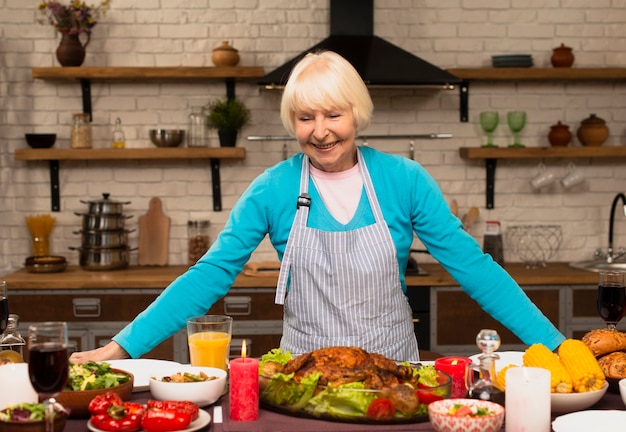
[111, 351]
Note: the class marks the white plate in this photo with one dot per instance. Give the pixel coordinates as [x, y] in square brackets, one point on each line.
[506, 358]
[142, 370]
[594, 420]
[204, 418]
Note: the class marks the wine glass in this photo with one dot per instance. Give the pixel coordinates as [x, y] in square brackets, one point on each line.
[48, 363]
[4, 307]
[611, 297]
[516, 121]
[489, 122]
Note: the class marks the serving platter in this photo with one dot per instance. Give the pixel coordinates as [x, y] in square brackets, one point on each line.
[592, 420]
[143, 369]
[204, 418]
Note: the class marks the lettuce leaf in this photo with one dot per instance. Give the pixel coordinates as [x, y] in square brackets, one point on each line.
[342, 401]
[276, 355]
[281, 390]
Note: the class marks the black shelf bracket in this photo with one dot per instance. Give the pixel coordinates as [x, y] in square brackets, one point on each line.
[490, 165]
[55, 196]
[464, 101]
[230, 88]
[215, 180]
[85, 86]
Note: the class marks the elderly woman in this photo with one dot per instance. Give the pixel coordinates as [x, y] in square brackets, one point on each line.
[342, 220]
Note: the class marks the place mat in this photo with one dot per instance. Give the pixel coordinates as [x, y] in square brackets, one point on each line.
[270, 421]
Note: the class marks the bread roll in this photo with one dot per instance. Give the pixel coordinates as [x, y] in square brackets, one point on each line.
[604, 341]
[614, 364]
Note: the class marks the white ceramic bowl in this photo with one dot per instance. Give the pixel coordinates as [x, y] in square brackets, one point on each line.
[443, 422]
[14, 376]
[202, 393]
[622, 389]
[569, 402]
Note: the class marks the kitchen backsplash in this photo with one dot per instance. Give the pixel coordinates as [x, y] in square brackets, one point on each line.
[269, 32]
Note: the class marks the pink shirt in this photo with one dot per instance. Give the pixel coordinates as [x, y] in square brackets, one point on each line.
[341, 191]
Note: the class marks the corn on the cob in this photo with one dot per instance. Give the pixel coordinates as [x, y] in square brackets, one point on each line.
[501, 376]
[538, 355]
[582, 366]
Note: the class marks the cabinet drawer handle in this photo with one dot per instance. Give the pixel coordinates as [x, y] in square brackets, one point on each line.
[86, 307]
[240, 305]
[416, 320]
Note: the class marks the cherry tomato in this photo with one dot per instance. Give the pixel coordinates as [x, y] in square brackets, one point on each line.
[381, 409]
[426, 397]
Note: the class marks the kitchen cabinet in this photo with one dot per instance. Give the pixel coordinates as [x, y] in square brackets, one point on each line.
[490, 155]
[85, 75]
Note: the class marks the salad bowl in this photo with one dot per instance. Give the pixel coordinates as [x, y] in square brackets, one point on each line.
[107, 379]
[27, 424]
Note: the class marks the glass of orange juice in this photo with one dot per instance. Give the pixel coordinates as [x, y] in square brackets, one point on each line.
[209, 340]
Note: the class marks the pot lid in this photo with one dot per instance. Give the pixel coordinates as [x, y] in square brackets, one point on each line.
[105, 200]
[593, 120]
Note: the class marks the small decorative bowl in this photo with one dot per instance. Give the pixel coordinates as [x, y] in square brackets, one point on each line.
[563, 403]
[202, 393]
[40, 140]
[33, 426]
[167, 137]
[444, 422]
[78, 401]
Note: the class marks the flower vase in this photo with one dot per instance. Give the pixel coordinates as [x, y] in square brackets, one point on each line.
[71, 52]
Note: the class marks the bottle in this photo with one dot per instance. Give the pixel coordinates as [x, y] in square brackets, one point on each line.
[12, 339]
[198, 234]
[492, 242]
[484, 388]
[81, 131]
[197, 134]
[119, 141]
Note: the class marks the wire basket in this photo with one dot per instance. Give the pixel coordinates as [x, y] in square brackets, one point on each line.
[534, 245]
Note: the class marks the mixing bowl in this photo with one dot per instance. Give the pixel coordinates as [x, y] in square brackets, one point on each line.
[40, 140]
[167, 137]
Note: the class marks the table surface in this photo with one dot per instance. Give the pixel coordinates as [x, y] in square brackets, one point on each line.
[274, 422]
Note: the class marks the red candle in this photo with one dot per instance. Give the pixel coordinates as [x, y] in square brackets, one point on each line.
[456, 367]
[244, 387]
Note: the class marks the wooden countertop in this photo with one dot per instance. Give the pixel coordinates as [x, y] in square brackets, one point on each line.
[159, 277]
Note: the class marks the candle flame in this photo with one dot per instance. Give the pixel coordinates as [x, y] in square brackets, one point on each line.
[454, 362]
[243, 349]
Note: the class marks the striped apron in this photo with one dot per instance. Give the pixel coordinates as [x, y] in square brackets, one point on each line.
[344, 287]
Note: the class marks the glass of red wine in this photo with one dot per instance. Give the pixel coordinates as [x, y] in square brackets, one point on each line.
[4, 307]
[611, 298]
[48, 363]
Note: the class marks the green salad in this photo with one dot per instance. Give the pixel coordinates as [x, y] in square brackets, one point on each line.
[93, 376]
[24, 412]
[350, 401]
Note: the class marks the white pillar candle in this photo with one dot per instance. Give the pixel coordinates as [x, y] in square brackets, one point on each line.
[527, 400]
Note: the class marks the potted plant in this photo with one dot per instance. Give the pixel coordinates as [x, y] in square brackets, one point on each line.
[228, 116]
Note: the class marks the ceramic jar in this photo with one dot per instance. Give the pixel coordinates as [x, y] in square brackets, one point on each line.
[559, 135]
[592, 131]
[562, 57]
[225, 55]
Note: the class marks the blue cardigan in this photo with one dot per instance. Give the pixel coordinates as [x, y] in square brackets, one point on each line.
[411, 202]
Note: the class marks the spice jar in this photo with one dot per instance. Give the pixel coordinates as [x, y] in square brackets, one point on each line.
[592, 131]
[81, 131]
[118, 139]
[559, 135]
[562, 57]
[198, 134]
[198, 234]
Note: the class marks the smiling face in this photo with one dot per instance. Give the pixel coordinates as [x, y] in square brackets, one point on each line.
[324, 105]
[327, 138]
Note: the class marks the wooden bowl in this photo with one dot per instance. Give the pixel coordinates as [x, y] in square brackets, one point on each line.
[78, 401]
[32, 426]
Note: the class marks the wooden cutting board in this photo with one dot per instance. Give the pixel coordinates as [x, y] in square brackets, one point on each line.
[154, 235]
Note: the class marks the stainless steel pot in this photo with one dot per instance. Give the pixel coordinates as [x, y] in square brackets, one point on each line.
[104, 239]
[103, 221]
[103, 259]
[105, 205]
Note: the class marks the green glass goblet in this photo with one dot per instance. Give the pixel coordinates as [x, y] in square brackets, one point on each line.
[489, 122]
[516, 121]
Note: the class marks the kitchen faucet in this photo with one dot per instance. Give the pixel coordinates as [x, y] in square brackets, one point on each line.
[610, 256]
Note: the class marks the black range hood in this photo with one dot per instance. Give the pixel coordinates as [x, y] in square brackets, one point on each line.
[379, 62]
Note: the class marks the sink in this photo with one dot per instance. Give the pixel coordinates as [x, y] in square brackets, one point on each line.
[599, 265]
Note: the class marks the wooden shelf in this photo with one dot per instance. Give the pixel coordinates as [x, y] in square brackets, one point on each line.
[53, 156]
[143, 73]
[540, 152]
[539, 74]
[132, 153]
[491, 155]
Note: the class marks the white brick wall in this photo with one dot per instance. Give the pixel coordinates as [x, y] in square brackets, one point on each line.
[267, 33]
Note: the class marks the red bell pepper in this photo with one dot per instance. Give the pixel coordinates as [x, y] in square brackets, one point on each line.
[185, 406]
[165, 420]
[100, 404]
[120, 418]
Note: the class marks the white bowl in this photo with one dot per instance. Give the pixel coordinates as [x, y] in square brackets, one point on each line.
[569, 402]
[443, 422]
[622, 389]
[202, 393]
